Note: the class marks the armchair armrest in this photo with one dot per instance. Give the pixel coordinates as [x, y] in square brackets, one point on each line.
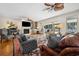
[70, 51]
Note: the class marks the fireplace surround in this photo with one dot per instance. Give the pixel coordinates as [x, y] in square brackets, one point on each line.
[26, 31]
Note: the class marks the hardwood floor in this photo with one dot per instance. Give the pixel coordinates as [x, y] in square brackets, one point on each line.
[6, 48]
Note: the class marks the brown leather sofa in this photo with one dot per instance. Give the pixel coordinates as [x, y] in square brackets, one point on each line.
[68, 46]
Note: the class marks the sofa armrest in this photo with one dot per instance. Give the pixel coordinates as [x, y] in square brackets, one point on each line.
[45, 51]
[70, 51]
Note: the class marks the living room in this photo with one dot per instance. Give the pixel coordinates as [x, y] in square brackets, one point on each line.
[39, 29]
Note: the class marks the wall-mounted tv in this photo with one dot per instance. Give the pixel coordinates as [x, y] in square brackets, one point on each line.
[26, 24]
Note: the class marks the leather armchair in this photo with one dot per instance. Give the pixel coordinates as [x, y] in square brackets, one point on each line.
[68, 46]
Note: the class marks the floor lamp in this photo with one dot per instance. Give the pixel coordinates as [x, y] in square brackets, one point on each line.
[14, 36]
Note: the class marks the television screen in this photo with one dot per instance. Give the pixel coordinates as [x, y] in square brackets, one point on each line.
[26, 24]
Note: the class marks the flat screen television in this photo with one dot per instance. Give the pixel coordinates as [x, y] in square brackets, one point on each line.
[26, 24]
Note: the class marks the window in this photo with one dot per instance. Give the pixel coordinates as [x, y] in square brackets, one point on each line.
[48, 27]
[72, 25]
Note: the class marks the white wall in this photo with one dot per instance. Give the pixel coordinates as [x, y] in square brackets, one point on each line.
[59, 19]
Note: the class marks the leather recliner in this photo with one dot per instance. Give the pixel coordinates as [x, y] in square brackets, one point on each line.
[68, 46]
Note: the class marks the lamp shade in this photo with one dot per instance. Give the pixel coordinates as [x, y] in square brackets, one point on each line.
[61, 26]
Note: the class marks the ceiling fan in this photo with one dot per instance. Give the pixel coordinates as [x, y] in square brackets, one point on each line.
[54, 6]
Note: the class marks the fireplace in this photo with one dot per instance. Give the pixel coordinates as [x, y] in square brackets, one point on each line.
[26, 31]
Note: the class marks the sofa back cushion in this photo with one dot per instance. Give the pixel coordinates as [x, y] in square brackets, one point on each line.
[69, 41]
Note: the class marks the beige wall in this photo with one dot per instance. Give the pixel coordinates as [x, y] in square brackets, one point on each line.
[4, 20]
[18, 22]
[59, 19]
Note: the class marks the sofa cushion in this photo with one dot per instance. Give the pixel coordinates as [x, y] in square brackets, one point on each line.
[69, 41]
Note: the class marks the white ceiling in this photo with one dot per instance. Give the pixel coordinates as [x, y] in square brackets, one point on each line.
[33, 10]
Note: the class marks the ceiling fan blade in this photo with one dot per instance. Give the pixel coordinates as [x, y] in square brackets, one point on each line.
[58, 6]
[46, 9]
[47, 4]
